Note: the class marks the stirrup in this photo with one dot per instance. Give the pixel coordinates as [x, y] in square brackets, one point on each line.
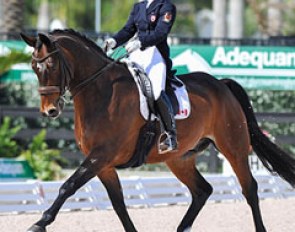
[165, 143]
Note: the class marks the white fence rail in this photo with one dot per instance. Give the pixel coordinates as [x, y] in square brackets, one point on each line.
[18, 197]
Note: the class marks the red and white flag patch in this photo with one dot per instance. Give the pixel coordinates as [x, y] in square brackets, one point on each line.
[153, 18]
[167, 17]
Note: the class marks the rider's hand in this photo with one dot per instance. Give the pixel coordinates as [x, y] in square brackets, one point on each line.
[132, 46]
[109, 44]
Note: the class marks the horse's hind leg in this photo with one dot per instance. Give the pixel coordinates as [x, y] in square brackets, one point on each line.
[200, 189]
[112, 184]
[249, 189]
[236, 153]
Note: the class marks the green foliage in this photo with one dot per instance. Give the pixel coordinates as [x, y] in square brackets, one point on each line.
[78, 14]
[275, 101]
[184, 25]
[14, 94]
[45, 162]
[12, 58]
[81, 16]
[19, 94]
[251, 26]
[115, 14]
[8, 147]
[289, 25]
[272, 101]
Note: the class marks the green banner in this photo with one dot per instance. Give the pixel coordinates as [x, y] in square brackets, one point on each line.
[19, 72]
[252, 66]
[15, 169]
[7, 46]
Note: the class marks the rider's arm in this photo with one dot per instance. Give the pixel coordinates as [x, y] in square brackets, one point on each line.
[128, 31]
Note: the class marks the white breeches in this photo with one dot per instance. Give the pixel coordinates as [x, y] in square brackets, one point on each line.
[154, 65]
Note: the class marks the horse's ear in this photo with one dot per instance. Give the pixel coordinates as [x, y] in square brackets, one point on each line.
[31, 41]
[45, 39]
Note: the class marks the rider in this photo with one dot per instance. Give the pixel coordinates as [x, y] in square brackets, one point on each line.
[150, 22]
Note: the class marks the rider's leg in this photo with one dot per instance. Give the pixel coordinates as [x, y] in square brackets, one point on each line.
[157, 75]
[154, 65]
[166, 113]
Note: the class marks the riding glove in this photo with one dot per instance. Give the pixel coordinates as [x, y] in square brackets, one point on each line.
[133, 45]
[109, 44]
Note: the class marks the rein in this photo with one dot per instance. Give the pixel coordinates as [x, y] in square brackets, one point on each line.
[78, 88]
[84, 83]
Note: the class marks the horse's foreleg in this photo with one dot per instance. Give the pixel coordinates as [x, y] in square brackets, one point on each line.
[82, 175]
[110, 180]
[200, 189]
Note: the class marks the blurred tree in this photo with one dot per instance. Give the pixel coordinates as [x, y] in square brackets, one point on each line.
[251, 26]
[289, 19]
[115, 14]
[80, 15]
[262, 12]
[74, 13]
[13, 17]
[12, 58]
[201, 4]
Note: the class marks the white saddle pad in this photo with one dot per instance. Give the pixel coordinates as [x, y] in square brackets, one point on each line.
[180, 92]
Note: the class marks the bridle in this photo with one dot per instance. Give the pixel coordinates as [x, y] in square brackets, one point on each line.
[66, 76]
[48, 90]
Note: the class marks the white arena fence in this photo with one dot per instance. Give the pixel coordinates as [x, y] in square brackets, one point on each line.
[36, 196]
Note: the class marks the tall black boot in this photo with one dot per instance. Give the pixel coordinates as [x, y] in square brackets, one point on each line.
[165, 111]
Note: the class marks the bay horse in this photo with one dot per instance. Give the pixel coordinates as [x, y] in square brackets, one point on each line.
[108, 121]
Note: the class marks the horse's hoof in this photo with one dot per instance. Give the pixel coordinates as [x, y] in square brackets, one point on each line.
[36, 228]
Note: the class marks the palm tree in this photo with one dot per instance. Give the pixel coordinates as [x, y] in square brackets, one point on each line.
[1, 16]
[13, 17]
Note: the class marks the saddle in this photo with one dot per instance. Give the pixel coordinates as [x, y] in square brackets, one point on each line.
[175, 89]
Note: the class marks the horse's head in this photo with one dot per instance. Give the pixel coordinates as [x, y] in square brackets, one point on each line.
[53, 75]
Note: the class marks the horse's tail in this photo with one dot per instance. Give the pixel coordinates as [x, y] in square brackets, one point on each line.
[272, 156]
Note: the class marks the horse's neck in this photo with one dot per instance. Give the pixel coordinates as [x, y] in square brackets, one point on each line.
[92, 97]
[96, 96]
[91, 65]
[105, 104]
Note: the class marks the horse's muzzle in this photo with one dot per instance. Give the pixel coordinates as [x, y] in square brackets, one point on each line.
[51, 113]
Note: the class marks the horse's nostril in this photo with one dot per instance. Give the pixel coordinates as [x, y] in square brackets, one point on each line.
[43, 114]
[53, 113]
